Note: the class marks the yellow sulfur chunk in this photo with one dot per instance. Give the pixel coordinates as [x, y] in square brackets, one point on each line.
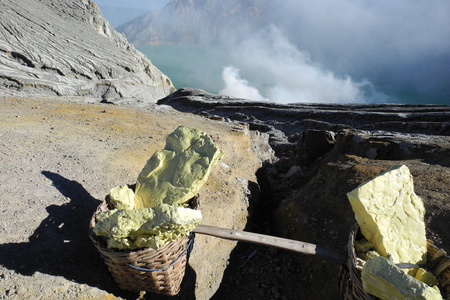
[381, 278]
[122, 197]
[146, 227]
[426, 277]
[391, 216]
[175, 174]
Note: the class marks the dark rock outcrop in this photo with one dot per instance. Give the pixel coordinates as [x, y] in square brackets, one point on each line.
[66, 48]
[285, 122]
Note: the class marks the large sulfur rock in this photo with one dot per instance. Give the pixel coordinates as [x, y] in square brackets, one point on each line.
[391, 215]
[146, 227]
[175, 174]
[381, 278]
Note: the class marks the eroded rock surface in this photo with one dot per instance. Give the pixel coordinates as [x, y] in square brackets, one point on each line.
[66, 48]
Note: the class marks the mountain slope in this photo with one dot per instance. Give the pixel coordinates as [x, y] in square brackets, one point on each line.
[117, 15]
[196, 22]
[60, 47]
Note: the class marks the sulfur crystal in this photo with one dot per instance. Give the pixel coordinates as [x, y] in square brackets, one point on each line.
[146, 227]
[176, 173]
[391, 216]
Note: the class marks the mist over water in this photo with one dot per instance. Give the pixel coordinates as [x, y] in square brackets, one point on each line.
[280, 72]
[401, 47]
[282, 79]
[342, 51]
[238, 87]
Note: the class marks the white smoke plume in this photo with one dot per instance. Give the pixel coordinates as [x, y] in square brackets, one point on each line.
[281, 73]
[397, 45]
[335, 51]
[235, 86]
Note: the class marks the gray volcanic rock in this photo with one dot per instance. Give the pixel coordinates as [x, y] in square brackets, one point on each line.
[285, 122]
[66, 48]
[322, 152]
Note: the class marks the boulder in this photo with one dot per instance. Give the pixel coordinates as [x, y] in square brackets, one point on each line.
[391, 216]
[175, 174]
[383, 279]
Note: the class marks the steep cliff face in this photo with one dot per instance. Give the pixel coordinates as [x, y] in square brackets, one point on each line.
[60, 47]
[196, 22]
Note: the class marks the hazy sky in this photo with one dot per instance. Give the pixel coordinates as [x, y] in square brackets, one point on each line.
[140, 4]
[366, 34]
[322, 48]
[340, 50]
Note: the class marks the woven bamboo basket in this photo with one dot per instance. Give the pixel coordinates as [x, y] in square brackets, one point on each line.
[350, 274]
[157, 271]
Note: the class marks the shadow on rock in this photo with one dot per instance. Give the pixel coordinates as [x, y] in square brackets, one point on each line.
[60, 246]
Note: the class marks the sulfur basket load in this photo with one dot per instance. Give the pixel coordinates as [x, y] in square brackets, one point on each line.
[144, 231]
[351, 285]
[389, 256]
[158, 271]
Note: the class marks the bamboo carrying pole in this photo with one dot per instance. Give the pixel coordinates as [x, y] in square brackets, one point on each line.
[267, 240]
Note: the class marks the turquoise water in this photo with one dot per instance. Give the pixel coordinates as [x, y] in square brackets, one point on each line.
[201, 67]
[189, 66]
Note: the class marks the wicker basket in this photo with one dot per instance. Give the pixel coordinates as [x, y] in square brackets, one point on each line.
[350, 274]
[158, 271]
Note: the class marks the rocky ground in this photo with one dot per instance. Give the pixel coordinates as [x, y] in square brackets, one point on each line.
[54, 153]
[60, 156]
[318, 212]
[58, 161]
[324, 151]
